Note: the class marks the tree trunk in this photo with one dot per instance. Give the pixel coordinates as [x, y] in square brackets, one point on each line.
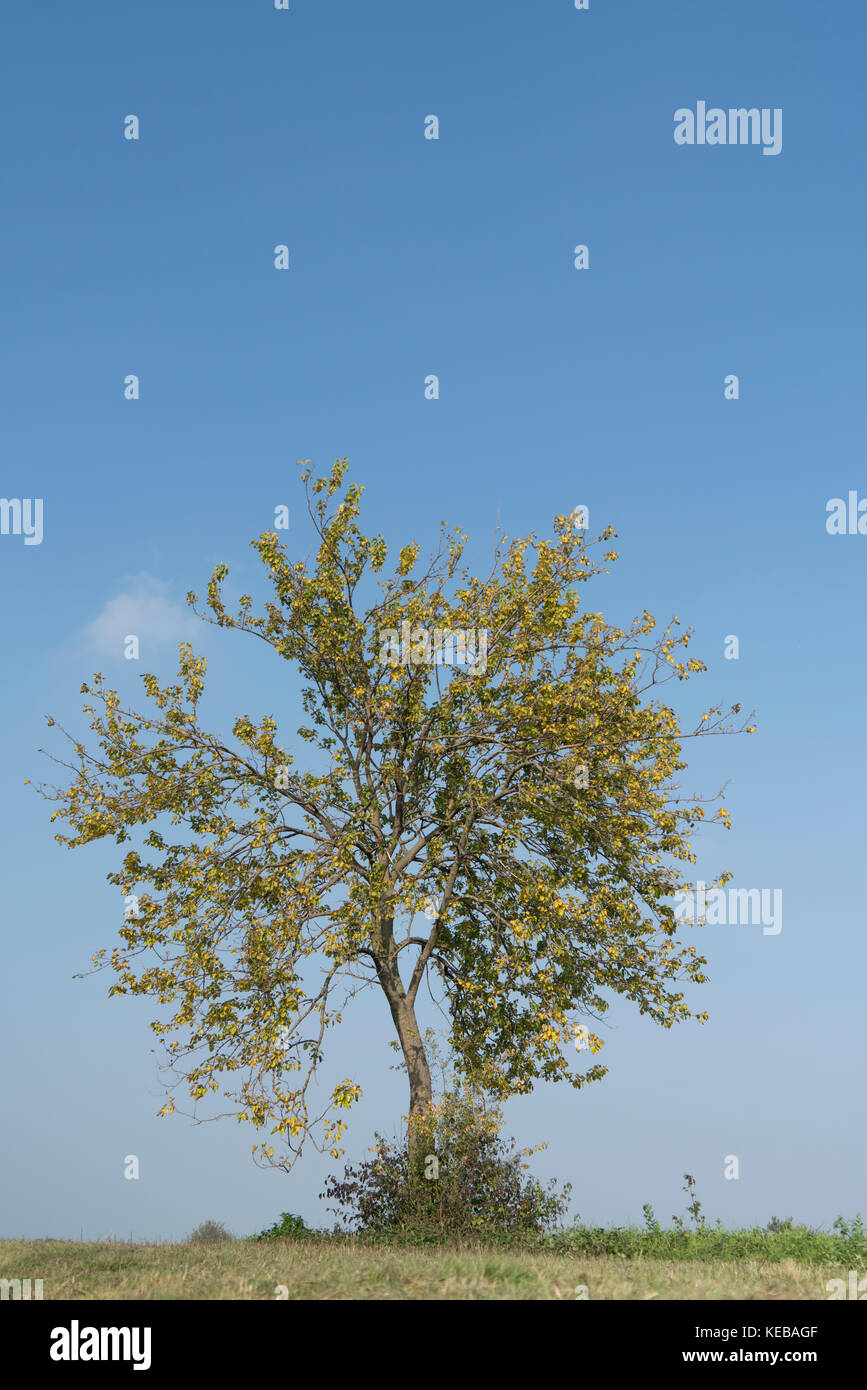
[417, 1068]
[414, 1055]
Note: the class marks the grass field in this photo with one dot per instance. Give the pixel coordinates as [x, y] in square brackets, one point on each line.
[347, 1269]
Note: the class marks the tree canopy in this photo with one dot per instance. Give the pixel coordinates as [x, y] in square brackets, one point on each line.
[491, 807]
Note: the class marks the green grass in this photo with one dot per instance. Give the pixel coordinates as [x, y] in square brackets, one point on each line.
[610, 1264]
[695, 1261]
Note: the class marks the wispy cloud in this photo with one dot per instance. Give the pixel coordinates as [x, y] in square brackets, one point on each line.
[143, 609]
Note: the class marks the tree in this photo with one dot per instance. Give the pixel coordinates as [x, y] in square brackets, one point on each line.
[503, 825]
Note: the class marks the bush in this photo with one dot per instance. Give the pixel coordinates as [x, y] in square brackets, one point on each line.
[289, 1227]
[780, 1240]
[209, 1233]
[777, 1224]
[800, 1244]
[466, 1182]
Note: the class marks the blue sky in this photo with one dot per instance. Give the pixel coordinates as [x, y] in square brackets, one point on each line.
[558, 387]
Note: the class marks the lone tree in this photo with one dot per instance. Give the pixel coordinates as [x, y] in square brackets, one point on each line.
[503, 823]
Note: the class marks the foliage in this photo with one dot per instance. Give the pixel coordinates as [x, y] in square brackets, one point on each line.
[852, 1231]
[471, 1184]
[289, 1227]
[208, 1233]
[779, 1240]
[694, 1207]
[447, 796]
[801, 1244]
[776, 1224]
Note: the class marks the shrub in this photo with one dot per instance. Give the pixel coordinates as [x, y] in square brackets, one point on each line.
[777, 1224]
[466, 1181]
[209, 1233]
[289, 1227]
[780, 1240]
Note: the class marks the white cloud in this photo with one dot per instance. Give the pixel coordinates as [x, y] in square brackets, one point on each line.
[142, 609]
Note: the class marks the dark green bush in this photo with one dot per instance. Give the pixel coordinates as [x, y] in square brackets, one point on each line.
[466, 1182]
[289, 1227]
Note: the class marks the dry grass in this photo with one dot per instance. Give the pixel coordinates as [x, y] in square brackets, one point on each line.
[309, 1270]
